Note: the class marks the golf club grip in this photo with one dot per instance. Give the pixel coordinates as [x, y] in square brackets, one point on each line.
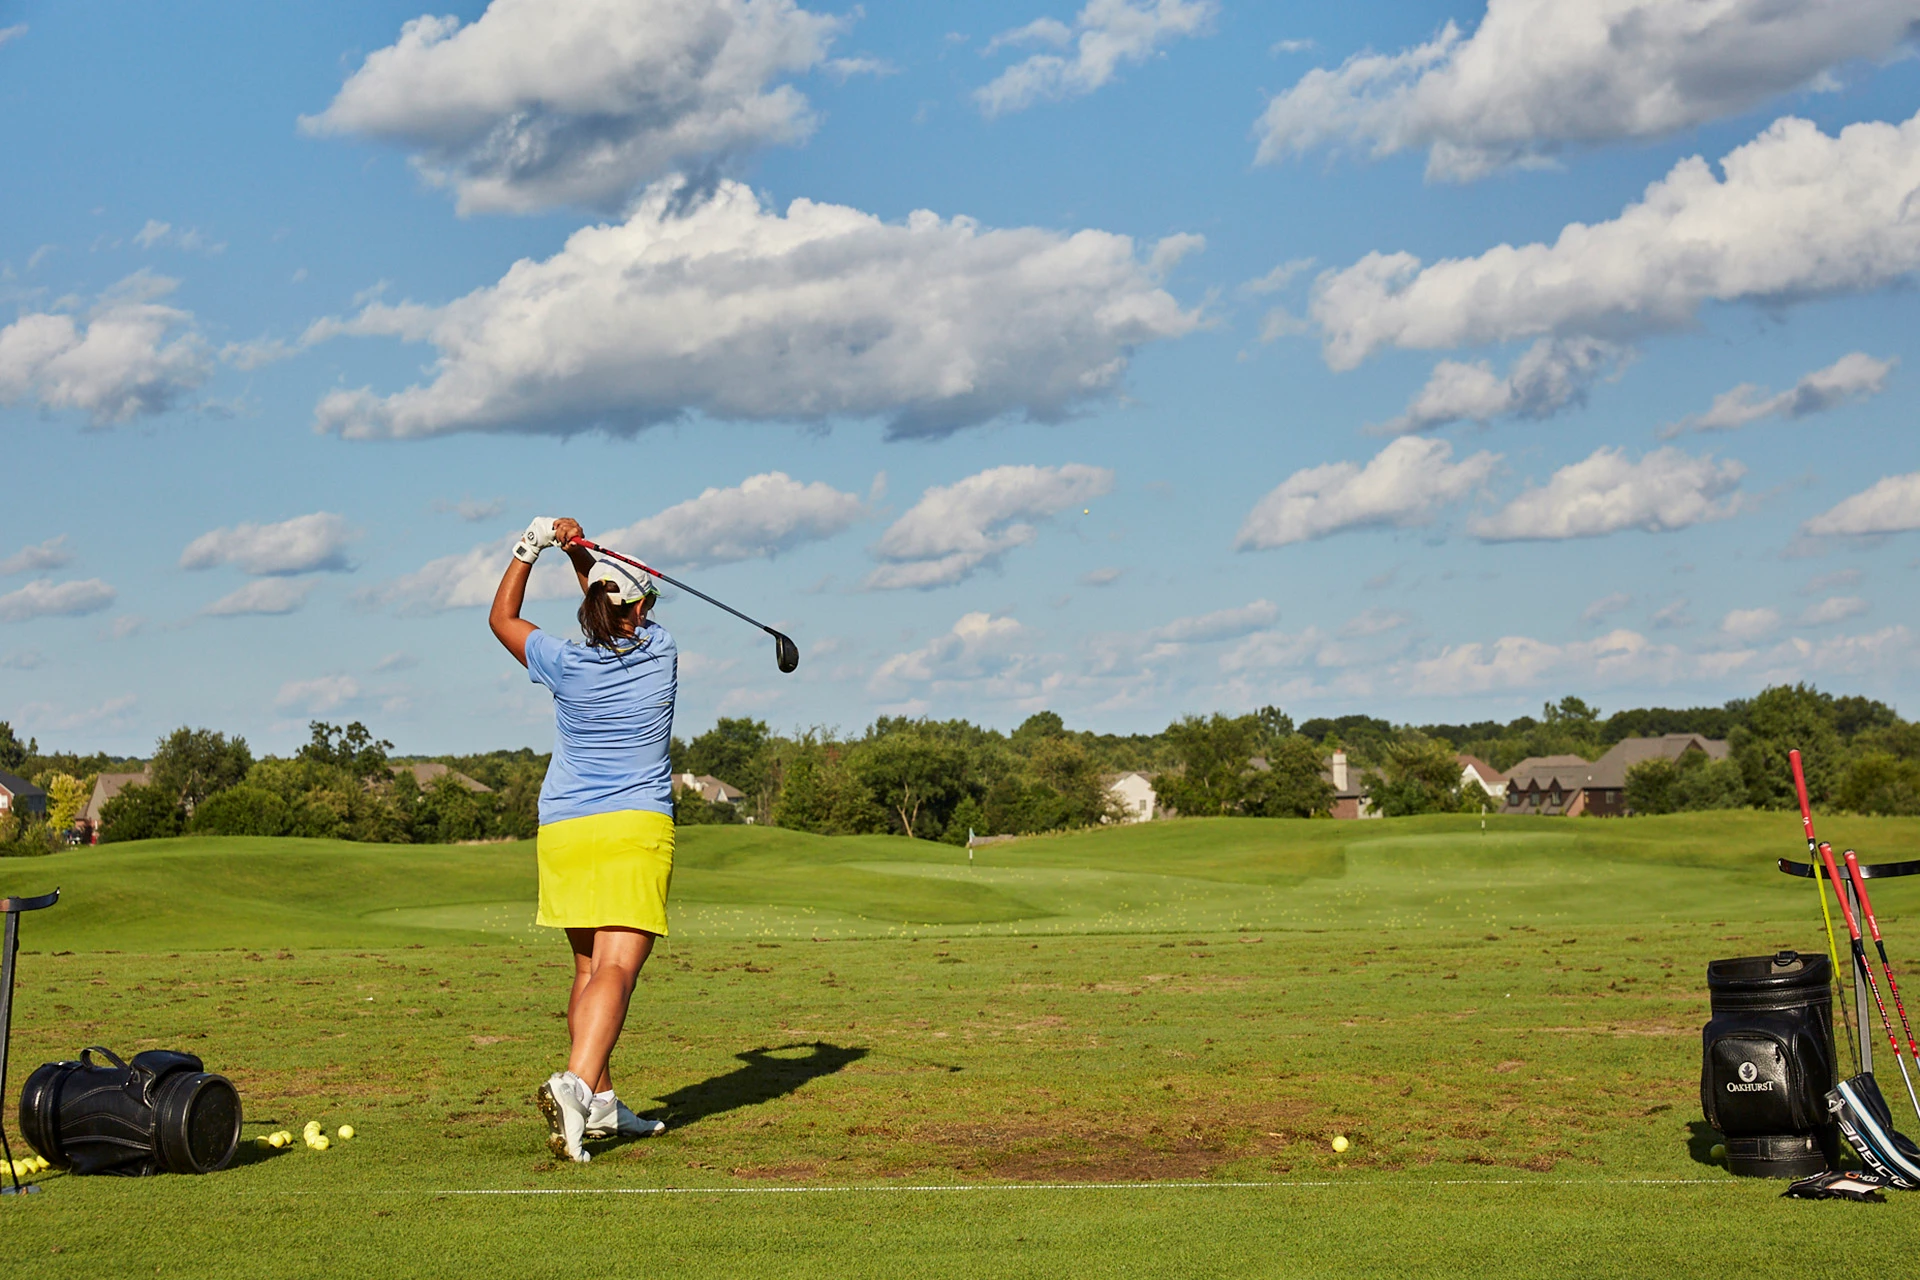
[1860, 888]
[1839, 891]
[1800, 786]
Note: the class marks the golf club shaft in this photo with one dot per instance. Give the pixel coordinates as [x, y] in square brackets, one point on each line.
[1833, 952]
[1866, 971]
[9, 947]
[1886, 966]
[600, 550]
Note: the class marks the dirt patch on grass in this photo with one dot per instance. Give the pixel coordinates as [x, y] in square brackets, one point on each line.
[780, 1172]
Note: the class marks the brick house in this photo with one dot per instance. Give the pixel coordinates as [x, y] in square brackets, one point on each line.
[21, 798]
[1351, 796]
[1567, 786]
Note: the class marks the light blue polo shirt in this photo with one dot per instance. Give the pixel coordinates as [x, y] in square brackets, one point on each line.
[613, 719]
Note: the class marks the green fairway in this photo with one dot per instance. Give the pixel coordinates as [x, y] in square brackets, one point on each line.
[877, 1060]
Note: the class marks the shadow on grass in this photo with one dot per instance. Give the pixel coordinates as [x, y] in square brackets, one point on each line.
[1701, 1138]
[767, 1074]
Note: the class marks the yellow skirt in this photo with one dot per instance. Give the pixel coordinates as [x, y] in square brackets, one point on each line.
[607, 869]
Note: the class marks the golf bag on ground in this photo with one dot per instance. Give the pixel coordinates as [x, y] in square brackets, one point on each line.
[160, 1113]
[1767, 1063]
[1863, 1115]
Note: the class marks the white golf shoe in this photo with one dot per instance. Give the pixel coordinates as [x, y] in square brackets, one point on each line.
[559, 1101]
[613, 1120]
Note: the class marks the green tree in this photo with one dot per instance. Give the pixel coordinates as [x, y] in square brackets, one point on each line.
[1292, 785]
[240, 811]
[1650, 787]
[818, 792]
[1880, 782]
[913, 776]
[1783, 718]
[967, 818]
[13, 752]
[1213, 753]
[66, 799]
[192, 764]
[353, 749]
[1418, 775]
[141, 813]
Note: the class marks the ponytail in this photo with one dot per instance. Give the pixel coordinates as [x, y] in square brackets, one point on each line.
[605, 623]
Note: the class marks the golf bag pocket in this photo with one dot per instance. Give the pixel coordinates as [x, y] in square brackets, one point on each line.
[1766, 1061]
[1753, 1081]
[160, 1113]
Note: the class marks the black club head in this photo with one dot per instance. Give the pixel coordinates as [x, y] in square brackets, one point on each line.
[786, 654]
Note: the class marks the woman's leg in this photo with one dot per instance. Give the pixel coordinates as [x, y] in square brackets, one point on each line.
[606, 965]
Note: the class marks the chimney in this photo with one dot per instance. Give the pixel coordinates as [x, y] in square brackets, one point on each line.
[1339, 771]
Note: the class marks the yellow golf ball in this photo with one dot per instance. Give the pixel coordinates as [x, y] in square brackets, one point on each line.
[320, 1143]
[1340, 1143]
[312, 1126]
[346, 1131]
[1719, 1151]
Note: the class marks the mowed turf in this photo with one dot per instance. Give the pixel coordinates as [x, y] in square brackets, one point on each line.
[877, 1060]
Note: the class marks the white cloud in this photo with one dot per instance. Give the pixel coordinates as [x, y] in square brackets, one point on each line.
[1372, 622]
[399, 660]
[265, 596]
[51, 554]
[1820, 582]
[1606, 605]
[1798, 214]
[762, 516]
[304, 544]
[165, 235]
[45, 598]
[468, 580]
[1278, 278]
[979, 647]
[114, 363]
[1538, 76]
[1891, 505]
[10, 34]
[958, 529]
[1854, 376]
[1405, 484]
[1221, 624]
[1102, 577]
[313, 697]
[1291, 46]
[1672, 616]
[1750, 624]
[474, 511]
[1269, 650]
[1888, 651]
[533, 105]
[1106, 35]
[107, 713]
[22, 660]
[1605, 493]
[1833, 609]
[1550, 375]
[1518, 662]
[730, 311]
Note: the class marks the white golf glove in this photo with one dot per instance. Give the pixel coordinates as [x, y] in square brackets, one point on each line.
[537, 538]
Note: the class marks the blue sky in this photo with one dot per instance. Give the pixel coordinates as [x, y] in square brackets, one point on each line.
[1141, 358]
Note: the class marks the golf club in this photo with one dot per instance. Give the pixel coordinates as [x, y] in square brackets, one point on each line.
[1886, 966]
[10, 908]
[786, 654]
[1860, 962]
[1813, 858]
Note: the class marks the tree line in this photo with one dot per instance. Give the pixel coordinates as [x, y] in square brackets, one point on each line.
[946, 779]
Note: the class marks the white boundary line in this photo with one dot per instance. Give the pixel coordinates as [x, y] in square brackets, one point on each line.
[1064, 1186]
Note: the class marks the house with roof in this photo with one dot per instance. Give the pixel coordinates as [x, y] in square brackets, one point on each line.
[708, 788]
[1489, 779]
[1352, 798]
[1568, 786]
[1132, 794]
[105, 787]
[21, 798]
[428, 772]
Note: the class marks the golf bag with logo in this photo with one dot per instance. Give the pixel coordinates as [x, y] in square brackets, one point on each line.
[160, 1113]
[1767, 1063]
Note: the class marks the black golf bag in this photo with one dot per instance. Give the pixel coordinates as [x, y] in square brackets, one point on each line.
[160, 1113]
[1767, 1063]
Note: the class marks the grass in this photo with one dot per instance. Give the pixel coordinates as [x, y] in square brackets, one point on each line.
[1505, 1024]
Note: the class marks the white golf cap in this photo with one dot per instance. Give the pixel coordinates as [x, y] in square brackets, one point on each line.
[630, 585]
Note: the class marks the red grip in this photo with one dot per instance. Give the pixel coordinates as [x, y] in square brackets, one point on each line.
[1860, 887]
[1833, 877]
[1800, 785]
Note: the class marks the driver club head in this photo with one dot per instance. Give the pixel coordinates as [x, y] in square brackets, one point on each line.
[786, 654]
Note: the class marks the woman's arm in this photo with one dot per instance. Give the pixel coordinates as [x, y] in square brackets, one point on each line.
[565, 530]
[508, 626]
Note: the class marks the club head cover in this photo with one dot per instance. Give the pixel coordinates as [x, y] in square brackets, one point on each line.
[1862, 1114]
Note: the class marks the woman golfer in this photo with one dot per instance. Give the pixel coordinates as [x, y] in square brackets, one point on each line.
[606, 812]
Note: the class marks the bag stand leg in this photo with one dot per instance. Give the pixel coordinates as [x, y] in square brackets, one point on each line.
[10, 909]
